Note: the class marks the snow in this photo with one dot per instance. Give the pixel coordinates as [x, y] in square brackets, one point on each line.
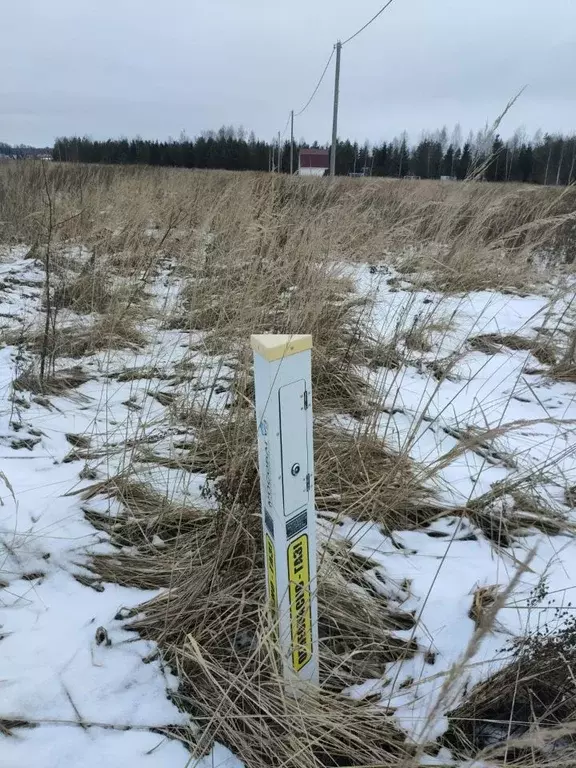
[92, 702]
[98, 701]
[443, 575]
[72, 747]
[445, 563]
[482, 391]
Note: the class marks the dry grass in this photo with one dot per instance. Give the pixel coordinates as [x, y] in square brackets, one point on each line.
[524, 713]
[141, 372]
[482, 602]
[467, 236]
[356, 475]
[491, 343]
[54, 384]
[89, 292]
[565, 370]
[262, 253]
[510, 510]
[108, 332]
[213, 628]
[419, 336]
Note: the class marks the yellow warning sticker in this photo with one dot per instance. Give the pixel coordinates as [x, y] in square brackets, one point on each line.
[300, 602]
[271, 574]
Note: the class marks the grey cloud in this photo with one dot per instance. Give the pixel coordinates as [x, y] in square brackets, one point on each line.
[126, 67]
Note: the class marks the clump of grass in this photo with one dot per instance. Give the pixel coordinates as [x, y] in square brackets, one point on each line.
[509, 510]
[287, 295]
[418, 339]
[523, 713]
[89, 291]
[108, 332]
[491, 344]
[482, 603]
[141, 372]
[385, 356]
[338, 387]
[212, 626]
[8, 725]
[565, 370]
[357, 475]
[53, 384]
[148, 514]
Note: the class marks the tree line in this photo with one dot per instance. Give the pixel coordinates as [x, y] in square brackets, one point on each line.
[540, 159]
[22, 151]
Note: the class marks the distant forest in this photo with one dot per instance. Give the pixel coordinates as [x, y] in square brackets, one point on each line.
[541, 159]
[23, 150]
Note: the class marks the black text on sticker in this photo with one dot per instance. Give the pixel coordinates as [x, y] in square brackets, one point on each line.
[300, 602]
[272, 590]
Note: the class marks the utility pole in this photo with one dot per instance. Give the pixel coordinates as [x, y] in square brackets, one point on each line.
[291, 142]
[279, 155]
[335, 117]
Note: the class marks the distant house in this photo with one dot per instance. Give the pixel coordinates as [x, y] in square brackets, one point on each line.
[313, 162]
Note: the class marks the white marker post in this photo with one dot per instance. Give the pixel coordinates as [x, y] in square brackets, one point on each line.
[282, 366]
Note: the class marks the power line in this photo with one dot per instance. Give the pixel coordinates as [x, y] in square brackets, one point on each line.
[305, 107]
[287, 124]
[368, 22]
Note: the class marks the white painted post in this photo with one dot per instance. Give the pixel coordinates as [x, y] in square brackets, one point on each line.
[282, 366]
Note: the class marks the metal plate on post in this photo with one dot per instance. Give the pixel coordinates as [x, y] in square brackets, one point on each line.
[294, 446]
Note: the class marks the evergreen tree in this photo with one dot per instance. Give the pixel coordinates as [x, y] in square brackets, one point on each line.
[448, 162]
[463, 167]
[545, 159]
[525, 163]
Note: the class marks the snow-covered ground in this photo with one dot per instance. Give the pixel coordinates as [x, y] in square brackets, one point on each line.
[448, 561]
[95, 691]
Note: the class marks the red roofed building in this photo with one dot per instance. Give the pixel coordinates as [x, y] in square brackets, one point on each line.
[313, 162]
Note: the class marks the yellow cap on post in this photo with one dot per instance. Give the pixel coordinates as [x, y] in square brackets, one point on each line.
[275, 346]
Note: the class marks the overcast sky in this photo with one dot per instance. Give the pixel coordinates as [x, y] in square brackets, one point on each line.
[137, 67]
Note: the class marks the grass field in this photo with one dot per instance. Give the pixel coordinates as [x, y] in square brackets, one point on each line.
[133, 619]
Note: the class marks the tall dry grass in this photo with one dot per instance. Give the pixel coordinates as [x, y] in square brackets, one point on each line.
[467, 234]
[259, 253]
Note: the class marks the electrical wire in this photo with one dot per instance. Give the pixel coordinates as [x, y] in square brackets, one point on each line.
[287, 124]
[305, 107]
[368, 22]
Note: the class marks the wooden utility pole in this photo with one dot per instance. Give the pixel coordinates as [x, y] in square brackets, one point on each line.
[291, 142]
[335, 115]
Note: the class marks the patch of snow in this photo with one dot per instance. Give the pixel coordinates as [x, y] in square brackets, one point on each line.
[445, 563]
[95, 691]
